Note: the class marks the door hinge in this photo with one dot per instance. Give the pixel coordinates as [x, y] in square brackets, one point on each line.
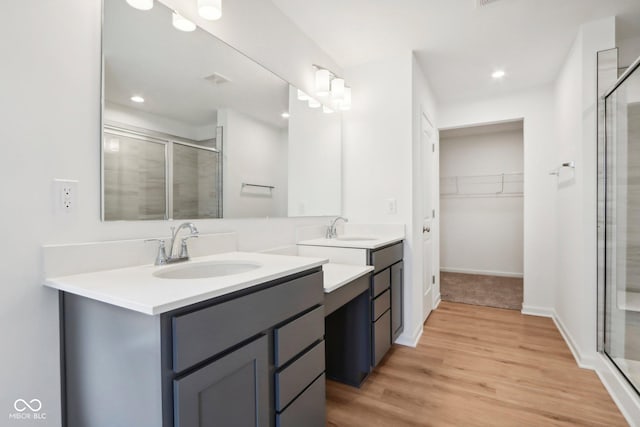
[433, 280]
[433, 213]
[433, 148]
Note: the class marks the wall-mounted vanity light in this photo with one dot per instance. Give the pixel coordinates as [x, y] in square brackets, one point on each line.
[302, 96]
[314, 103]
[210, 9]
[141, 4]
[181, 23]
[323, 82]
[327, 83]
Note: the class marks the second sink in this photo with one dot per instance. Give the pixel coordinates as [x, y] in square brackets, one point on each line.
[206, 269]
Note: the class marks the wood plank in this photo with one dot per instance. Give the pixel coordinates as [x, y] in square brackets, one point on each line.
[477, 366]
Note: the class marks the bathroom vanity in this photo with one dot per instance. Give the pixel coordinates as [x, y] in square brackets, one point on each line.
[140, 349]
[385, 287]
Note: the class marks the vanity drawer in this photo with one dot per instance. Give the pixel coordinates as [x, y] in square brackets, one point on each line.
[297, 376]
[308, 409]
[201, 334]
[381, 282]
[295, 336]
[383, 258]
[381, 337]
[380, 305]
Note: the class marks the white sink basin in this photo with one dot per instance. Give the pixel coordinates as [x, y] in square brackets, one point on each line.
[355, 238]
[206, 269]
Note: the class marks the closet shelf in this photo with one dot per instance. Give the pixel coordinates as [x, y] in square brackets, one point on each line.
[490, 185]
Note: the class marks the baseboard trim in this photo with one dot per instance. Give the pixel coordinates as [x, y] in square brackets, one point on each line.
[437, 300]
[625, 398]
[585, 362]
[410, 341]
[531, 310]
[481, 272]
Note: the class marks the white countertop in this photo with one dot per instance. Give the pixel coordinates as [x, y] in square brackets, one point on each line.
[376, 243]
[338, 275]
[135, 288]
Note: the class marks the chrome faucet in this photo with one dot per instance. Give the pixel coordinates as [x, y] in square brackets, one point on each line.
[331, 229]
[162, 258]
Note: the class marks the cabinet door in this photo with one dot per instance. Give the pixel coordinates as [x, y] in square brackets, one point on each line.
[232, 391]
[397, 293]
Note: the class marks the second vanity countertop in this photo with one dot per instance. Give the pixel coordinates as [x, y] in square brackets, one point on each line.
[353, 242]
[136, 288]
[338, 275]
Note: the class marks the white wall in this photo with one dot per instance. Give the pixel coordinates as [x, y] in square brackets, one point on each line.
[50, 104]
[535, 107]
[315, 159]
[482, 235]
[575, 90]
[380, 160]
[256, 153]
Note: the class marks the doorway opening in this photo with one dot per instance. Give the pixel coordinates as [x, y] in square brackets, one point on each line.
[482, 214]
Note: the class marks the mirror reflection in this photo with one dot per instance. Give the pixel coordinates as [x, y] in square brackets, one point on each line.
[194, 129]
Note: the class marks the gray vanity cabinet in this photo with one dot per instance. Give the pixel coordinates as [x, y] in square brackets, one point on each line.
[254, 357]
[397, 294]
[386, 299]
[232, 391]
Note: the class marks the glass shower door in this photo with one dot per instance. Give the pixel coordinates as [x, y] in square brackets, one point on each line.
[622, 225]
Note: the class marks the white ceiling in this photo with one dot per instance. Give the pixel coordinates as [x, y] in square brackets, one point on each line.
[145, 55]
[457, 44]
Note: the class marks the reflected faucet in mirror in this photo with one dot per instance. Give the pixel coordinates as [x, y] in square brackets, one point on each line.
[331, 229]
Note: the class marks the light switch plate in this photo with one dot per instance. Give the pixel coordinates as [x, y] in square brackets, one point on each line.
[392, 206]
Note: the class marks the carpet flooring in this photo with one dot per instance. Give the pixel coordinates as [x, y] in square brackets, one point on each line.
[490, 291]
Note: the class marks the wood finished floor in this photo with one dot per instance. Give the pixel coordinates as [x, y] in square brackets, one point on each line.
[477, 366]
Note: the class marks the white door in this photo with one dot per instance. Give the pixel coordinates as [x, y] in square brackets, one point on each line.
[429, 225]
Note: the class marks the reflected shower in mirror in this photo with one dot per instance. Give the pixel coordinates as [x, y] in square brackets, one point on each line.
[194, 129]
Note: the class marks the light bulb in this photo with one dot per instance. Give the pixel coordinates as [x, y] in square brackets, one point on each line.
[337, 89]
[323, 81]
[285, 115]
[181, 23]
[141, 4]
[137, 99]
[210, 9]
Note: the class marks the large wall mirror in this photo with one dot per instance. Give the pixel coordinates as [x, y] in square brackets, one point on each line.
[194, 129]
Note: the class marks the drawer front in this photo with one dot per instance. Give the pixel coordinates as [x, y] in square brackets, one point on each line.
[297, 376]
[381, 304]
[204, 333]
[295, 336]
[381, 337]
[383, 258]
[308, 409]
[381, 282]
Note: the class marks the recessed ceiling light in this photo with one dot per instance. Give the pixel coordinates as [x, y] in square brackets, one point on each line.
[498, 74]
[181, 23]
[137, 98]
[285, 115]
[141, 4]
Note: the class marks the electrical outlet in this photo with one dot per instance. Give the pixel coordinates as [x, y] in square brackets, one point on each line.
[392, 206]
[65, 195]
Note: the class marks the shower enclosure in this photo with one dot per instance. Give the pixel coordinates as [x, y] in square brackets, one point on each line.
[619, 224]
